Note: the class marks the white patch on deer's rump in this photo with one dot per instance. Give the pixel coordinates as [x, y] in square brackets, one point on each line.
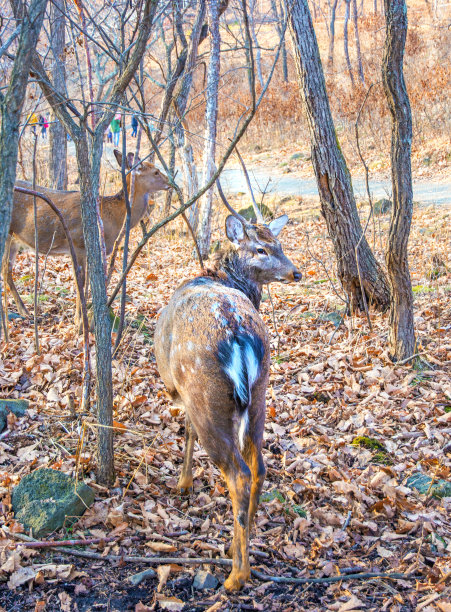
[242, 429]
[189, 345]
[235, 372]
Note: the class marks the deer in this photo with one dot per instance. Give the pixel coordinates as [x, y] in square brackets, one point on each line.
[213, 355]
[51, 238]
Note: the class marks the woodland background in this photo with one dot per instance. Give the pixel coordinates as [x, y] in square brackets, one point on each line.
[346, 425]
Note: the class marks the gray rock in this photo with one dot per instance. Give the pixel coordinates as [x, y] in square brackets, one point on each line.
[45, 498]
[205, 580]
[422, 483]
[16, 406]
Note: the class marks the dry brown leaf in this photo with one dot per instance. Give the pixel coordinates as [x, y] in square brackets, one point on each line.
[163, 572]
[161, 547]
[22, 575]
[169, 603]
[352, 604]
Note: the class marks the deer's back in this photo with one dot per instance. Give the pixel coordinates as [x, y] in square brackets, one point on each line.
[49, 226]
[205, 336]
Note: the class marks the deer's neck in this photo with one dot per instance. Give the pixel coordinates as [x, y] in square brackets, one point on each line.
[114, 211]
[235, 274]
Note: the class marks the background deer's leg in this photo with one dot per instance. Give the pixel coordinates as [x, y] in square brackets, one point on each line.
[81, 261]
[9, 257]
[185, 483]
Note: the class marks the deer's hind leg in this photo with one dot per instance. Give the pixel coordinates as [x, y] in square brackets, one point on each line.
[9, 257]
[225, 454]
[185, 483]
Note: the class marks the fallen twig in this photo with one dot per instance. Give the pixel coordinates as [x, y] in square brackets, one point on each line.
[219, 561]
[80, 542]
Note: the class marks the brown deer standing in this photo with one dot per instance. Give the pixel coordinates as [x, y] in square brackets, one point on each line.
[212, 352]
[51, 237]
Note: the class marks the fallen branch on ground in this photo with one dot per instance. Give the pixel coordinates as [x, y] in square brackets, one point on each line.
[227, 562]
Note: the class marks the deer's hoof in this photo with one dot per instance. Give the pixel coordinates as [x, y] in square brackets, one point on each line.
[185, 486]
[236, 580]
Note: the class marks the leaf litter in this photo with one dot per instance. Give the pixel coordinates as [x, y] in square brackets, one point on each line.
[337, 406]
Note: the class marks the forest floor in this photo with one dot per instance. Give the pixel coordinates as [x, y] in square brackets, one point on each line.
[345, 429]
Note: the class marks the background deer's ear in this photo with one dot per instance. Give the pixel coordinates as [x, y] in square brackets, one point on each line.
[234, 230]
[130, 160]
[278, 224]
[118, 156]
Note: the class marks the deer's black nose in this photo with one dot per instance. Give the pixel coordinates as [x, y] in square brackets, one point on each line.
[297, 276]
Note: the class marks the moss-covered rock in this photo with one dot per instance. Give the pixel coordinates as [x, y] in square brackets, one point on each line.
[45, 498]
[249, 213]
[425, 485]
[382, 207]
[17, 406]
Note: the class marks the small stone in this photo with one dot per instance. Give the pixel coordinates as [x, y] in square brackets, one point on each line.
[44, 499]
[205, 580]
[17, 406]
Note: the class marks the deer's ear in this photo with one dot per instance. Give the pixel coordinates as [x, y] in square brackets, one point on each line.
[278, 224]
[118, 156]
[234, 230]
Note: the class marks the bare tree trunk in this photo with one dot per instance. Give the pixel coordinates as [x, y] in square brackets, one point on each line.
[355, 18]
[11, 103]
[57, 133]
[258, 55]
[279, 17]
[205, 209]
[402, 332]
[375, 7]
[89, 172]
[334, 181]
[333, 13]
[345, 40]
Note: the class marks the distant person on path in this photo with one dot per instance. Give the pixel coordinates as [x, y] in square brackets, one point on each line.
[44, 125]
[134, 126]
[116, 129]
[33, 121]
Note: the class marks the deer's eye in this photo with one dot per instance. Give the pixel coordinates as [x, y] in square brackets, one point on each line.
[261, 251]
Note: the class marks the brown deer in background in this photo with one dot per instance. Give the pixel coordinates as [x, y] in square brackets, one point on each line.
[212, 352]
[51, 238]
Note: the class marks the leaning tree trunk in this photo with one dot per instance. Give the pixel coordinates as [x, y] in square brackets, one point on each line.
[205, 209]
[334, 181]
[57, 133]
[11, 103]
[402, 333]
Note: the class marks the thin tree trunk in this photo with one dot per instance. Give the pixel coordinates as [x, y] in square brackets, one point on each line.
[89, 172]
[345, 40]
[57, 133]
[402, 332]
[205, 209]
[355, 18]
[334, 181]
[11, 107]
[333, 13]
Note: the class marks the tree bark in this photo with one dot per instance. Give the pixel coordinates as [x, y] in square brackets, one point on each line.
[11, 107]
[355, 19]
[334, 181]
[205, 208]
[345, 40]
[57, 133]
[402, 332]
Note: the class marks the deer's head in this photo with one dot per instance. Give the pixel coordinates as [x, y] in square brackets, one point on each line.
[258, 246]
[148, 179]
